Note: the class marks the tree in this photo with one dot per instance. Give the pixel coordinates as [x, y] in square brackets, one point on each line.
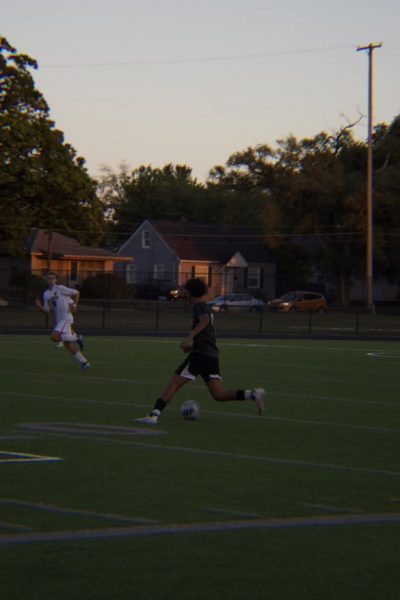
[303, 192]
[170, 193]
[43, 183]
[386, 195]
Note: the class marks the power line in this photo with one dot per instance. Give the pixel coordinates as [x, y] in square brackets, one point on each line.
[203, 59]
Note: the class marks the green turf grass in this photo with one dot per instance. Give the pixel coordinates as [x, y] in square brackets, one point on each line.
[327, 448]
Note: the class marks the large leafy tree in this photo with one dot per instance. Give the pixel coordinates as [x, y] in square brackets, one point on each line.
[43, 183]
[310, 189]
[169, 193]
[387, 196]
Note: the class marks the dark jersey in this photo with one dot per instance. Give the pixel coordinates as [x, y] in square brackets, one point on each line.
[205, 341]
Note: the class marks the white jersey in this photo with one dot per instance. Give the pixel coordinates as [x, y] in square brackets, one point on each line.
[58, 299]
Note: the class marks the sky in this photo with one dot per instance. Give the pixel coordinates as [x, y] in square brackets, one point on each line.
[153, 82]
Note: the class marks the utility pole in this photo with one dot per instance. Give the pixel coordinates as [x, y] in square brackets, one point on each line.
[369, 267]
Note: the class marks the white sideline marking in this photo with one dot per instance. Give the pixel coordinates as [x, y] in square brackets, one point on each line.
[225, 414]
[15, 526]
[383, 355]
[224, 511]
[91, 429]
[201, 452]
[18, 457]
[70, 511]
[330, 508]
[174, 529]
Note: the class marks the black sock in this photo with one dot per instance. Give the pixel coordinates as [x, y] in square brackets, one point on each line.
[160, 405]
[240, 395]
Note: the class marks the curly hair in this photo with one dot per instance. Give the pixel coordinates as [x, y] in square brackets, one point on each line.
[196, 287]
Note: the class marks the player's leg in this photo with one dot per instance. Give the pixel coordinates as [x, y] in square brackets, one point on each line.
[184, 373]
[219, 394]
[71, 343]
[174, 385]
[56, 336]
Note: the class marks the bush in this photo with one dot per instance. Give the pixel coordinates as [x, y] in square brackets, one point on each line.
[31, 285]
[105, 285]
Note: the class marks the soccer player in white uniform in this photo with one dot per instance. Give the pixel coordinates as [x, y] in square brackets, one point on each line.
[58, 299]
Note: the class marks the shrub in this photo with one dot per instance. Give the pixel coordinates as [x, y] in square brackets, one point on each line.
[105, 285]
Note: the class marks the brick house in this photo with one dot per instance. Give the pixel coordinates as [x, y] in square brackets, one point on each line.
[72, 261]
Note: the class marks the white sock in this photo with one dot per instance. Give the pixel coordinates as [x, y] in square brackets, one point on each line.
[80, 358]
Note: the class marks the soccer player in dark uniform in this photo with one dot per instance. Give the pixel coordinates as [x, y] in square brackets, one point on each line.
[202, 359]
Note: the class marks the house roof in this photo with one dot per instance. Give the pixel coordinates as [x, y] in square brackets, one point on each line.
[64, 247]
[213, 243]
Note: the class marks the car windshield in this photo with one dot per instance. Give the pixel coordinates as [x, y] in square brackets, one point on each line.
[289, 296]
[220, 298]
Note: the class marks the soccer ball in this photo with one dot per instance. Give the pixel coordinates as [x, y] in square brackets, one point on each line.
[190, 410]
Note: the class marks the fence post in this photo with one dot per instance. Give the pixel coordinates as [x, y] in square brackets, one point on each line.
[357, 322]
[103, 315]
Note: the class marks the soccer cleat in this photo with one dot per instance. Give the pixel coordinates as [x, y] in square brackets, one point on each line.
[147, 420]
[79, 341]
[85, 365]
[59, 345]
[260, 397]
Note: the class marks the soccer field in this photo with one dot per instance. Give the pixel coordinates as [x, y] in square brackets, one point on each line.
[303, 503]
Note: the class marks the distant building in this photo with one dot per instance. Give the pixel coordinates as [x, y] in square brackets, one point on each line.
[72, 261]
[229, 259]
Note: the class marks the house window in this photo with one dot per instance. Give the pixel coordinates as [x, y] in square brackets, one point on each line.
[145, 238]
[159, 271]
[253, 277]
[201, 272]
[131, 273]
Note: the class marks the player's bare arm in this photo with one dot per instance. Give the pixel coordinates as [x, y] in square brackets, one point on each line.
[40, 305]
[187, 343]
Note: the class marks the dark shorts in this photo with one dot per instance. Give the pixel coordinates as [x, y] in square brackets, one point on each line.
[199, 364]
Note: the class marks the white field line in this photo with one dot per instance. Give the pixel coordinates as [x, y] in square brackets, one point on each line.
[225, 511]
[48, 508]
[175, 529]
[309, 345]
[329, 508]
[15, 526]
[212, 413]
[115, 380]
[20, 457]
[221, 454]
[87, 377]
[246, 342]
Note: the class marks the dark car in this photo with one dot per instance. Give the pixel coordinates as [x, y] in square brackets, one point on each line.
[178, 293]
[155, 289]
[299, 302]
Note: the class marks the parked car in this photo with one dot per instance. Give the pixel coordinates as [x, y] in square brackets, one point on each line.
[299, 302]
[178, 293]
[244, 302]
[155, 289]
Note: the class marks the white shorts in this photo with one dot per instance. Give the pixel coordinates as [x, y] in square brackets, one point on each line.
[63, 327]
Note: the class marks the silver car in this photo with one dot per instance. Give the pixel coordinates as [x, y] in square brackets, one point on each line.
[237, 302]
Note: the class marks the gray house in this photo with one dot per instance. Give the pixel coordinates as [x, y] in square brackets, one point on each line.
[229, 259]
